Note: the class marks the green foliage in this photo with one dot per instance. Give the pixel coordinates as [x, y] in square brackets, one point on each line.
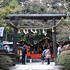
[7, 7]
[35, 8]
[5, 62]
[13, 7]
[5, 3]
[1, 69]
[3, 13]
[13, 4]
[64, 59]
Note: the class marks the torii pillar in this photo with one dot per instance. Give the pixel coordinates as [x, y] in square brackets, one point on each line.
[15, 40]
[54, 40]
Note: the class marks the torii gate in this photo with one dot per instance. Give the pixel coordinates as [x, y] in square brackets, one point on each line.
[52, 17]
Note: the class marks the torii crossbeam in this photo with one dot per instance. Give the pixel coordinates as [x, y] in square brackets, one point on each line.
[36, 16]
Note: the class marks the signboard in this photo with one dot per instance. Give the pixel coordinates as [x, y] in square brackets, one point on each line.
[1, 31]
[1, 35]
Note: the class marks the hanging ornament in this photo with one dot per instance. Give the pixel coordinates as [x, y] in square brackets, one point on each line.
[45, 33]
[39, 32]
[34, 31]
[25, 31]
[52, 30]
[19, 31]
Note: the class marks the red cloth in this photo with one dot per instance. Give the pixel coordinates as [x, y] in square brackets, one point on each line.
[52, 56]
[28, 53]
[35, 55]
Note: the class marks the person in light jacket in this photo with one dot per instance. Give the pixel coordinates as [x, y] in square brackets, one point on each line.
[47, 54]
[59, 50]
[43, 56]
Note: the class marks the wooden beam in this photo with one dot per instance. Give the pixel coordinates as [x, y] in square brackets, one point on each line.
[36, 16]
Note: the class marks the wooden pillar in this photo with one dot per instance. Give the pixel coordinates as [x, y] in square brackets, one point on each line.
[54, 39]
[15, 41]
[1, 43]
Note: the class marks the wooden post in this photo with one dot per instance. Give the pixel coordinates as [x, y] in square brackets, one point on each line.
[1, 42]
[15, 41]
[54, 39]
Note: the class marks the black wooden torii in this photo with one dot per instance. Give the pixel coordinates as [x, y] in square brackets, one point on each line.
[52, 17]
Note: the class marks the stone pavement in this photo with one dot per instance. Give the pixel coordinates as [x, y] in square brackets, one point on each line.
[36, 66]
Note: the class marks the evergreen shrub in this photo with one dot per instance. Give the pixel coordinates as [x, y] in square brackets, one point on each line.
[5, 62]
[64, 59]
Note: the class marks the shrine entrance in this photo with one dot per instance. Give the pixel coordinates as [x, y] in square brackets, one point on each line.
[52, 17]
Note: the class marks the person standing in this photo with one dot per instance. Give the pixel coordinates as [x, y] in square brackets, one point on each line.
[24, 52]
[47, 54]
[59, 50]
[43, 56]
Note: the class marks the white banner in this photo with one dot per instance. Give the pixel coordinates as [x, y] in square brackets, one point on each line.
[1, 31]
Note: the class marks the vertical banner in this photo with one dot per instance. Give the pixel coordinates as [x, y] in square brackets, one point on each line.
[1, 37]
[1, 31]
